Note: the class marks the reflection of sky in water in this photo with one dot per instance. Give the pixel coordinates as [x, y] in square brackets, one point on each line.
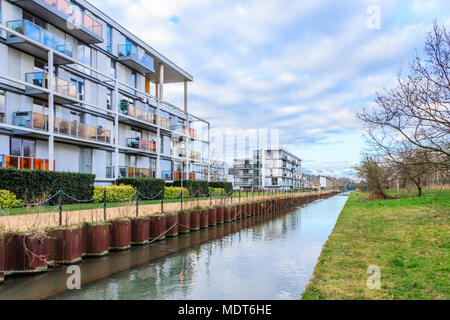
[273, 260]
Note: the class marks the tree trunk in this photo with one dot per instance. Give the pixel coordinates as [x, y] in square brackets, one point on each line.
[419, 191]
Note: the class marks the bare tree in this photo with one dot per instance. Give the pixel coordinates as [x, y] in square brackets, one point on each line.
[373, 176]
[415, 114]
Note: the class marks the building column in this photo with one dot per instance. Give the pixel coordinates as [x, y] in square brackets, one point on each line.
[185, 96]
[158, 142]
[116, 130]
[161, 81]
[157, 89]
[51, 112]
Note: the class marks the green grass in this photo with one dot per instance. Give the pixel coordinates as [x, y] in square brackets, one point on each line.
[407, 237]
[88, 206]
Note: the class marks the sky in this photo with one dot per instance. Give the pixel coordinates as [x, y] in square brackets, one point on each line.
[302, 67]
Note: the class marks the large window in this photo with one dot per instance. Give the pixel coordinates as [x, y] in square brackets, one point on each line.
[113, 69]
[109, 166]
[84, 57]
[2, 104]
[109, 38]
[109, 99]
[133, 79]
[23, 148]
[85, 160]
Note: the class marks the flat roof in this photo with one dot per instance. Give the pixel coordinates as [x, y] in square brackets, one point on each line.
[172, 72]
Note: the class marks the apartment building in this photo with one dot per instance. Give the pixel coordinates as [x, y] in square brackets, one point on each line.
[268, 169]
[80, 93]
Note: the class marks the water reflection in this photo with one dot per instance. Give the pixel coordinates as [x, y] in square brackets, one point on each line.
[272, 259]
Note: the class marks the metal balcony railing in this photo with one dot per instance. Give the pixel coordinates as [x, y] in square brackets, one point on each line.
[141, 144]
[61, 86]
[39, 34]
[7, 161]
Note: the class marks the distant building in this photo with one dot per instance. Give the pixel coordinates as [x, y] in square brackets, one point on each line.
[269, 169]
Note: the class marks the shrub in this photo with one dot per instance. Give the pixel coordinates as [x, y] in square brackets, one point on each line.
[175, 193]
[193, 186]
[9, 200]
[114, 193]
[227, 186]
[34, 184]
[216, 192]
[147, 187]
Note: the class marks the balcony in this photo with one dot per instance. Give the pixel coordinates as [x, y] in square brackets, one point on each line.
[34, 120]
[130, 110]
[61, 86]
[67, 17]
[178, 175]
[135, 58]
[141, 144]
[181, 129]
[194, 155]
[132, 172]
[40, 35]
[24, 163]
[164, 123]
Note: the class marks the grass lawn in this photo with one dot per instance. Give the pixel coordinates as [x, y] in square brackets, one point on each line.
[407, 237]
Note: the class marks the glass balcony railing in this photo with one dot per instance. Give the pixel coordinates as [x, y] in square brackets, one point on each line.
[182, 129]
[195, 155]
[76, 16]
[134, 52]
[24, 163]
[34, 120]
[132, 172]
[41, 35]
[130, 110]
[164, 123]
[141, 144]
[61, 86]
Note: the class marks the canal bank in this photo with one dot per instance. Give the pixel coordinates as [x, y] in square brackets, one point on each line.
[46, 284]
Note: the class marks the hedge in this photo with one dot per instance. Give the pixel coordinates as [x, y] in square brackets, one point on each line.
[147, 187]
[9, 200]
[193, 186]
[227, 186]
[35, 185]
[216, 192]
[175, 193]
[114, 193]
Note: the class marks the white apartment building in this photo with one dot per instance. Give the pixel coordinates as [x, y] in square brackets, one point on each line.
[269, 169]
[80, 93]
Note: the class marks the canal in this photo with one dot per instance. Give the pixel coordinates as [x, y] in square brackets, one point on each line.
[271, 259]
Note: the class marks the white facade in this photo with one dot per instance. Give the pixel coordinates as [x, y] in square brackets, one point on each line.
[106, 97]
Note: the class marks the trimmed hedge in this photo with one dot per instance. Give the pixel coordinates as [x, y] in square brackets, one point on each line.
[147, 187]
[175, 193]
[114, 193]
[227, 186]
[216, 192]
[9, 200]
[193, 186]
[34, 185]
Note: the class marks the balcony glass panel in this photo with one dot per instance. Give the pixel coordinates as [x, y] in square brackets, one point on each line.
[62, 86]
[133, 51]
[41, 35]
[82, 130]
[76, 16]
[92, 133]
[63, 126]
[26, 163]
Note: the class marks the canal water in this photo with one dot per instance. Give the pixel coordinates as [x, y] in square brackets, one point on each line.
[270, 260]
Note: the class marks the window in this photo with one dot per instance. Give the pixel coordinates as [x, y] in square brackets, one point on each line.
[2, 104]
[84, 57]
[109, 167]
[109, 99]
[85, 160]
[79, 82]
[113, 71]
[109, 38]
[133, 79]
[23, 148]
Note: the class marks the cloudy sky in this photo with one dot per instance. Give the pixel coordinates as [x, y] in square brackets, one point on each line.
[302, 67]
